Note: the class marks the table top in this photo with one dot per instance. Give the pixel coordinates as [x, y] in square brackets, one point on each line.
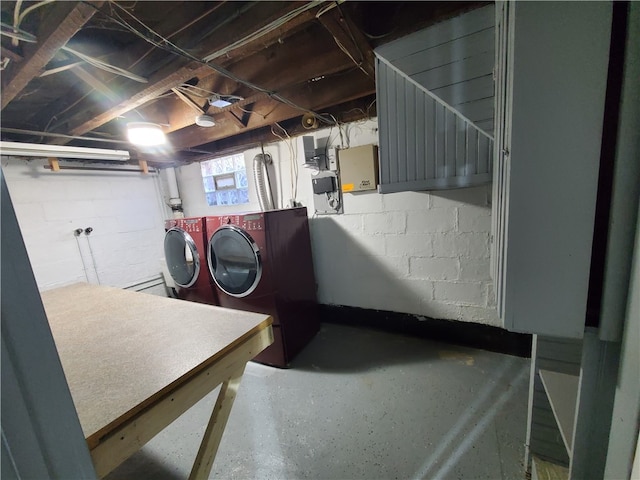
[121, 350]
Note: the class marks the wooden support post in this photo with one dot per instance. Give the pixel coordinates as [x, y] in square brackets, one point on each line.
[54, 164]
[144, 168]
[215, 428]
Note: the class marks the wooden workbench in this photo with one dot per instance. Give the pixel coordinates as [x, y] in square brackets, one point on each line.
[135, 362]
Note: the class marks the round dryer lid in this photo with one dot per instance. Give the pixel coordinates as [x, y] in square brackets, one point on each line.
[234, 261]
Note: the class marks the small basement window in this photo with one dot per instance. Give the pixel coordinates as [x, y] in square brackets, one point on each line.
[225, 180]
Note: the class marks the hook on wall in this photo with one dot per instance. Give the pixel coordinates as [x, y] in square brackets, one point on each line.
[88, 230]
[77, 232]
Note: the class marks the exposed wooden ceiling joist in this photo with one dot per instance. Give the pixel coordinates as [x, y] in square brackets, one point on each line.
[281, 58]
[63, 21]
[172, 75]
[350, 40]
[345, 112]
[314, 96]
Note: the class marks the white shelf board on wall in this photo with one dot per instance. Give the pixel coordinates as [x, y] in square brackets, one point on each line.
[562, 390]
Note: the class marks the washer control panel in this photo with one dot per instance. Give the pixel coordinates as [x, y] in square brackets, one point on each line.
[191, 225]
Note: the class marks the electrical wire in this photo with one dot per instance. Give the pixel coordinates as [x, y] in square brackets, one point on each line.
[181, 29]
[28, 10]
[353, 38]
[105, 66]
[16, 17]
[293, 155]
[339, 129]
[344, 49]
[262, 31]
[167, 45]
[340, 44]
[21, 35]
[324, 10]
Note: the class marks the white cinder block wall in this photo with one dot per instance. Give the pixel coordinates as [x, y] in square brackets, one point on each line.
[125, 211]
[423, 253]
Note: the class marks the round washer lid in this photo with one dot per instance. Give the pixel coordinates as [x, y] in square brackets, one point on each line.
[182, 257]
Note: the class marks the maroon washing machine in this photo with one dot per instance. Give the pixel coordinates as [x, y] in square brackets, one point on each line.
[185, 242]
[261, 262]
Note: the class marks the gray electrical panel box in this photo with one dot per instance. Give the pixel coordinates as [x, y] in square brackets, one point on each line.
[358, 168]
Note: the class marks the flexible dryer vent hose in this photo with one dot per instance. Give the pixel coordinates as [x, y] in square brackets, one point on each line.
[263, 184]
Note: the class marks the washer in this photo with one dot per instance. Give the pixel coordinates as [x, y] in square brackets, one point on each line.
[185, 244]
[261, 262]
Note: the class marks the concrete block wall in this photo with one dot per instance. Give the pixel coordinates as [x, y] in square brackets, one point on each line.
[125, 210]
[414, 256]
[422, 253]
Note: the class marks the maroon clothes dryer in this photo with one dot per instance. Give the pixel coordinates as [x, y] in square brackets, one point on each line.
[185, 243]
[261, 262]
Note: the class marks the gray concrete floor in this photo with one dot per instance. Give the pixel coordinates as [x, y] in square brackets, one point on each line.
[360, 404]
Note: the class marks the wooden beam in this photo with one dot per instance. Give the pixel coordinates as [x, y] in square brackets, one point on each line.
[181, 116]
[246, 114]
[54, 164]
[163, 81]
[350, 40]
[188, 101]
[144, 168]
[346, 112]
[237, 120]
[63, 21]
[95, 83]
[7, 52]
[275, 36]
[289, 59]
[172, 75]
[314, 96]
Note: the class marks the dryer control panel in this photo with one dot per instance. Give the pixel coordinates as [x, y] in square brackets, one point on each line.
[251, 222]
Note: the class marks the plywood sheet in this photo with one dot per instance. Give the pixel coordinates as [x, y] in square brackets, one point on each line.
[122, 349]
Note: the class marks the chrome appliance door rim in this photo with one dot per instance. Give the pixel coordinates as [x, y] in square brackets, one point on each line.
[256, 254]
[188, 240]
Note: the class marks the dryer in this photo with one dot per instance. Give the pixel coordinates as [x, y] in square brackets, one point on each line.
[185, 245]
[261, 262]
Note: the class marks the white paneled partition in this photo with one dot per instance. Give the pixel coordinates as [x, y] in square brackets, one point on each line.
[548, 162]
[435, 101]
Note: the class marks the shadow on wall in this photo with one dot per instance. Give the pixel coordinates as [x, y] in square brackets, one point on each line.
[352, 269]
[463, 195]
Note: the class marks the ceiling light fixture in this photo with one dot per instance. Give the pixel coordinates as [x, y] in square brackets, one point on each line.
[145, 134]
[218, 102]
[205, 121]
[221, 101]
[19, 149]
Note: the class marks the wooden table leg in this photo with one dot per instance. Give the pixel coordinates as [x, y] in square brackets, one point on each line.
[215, 428]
